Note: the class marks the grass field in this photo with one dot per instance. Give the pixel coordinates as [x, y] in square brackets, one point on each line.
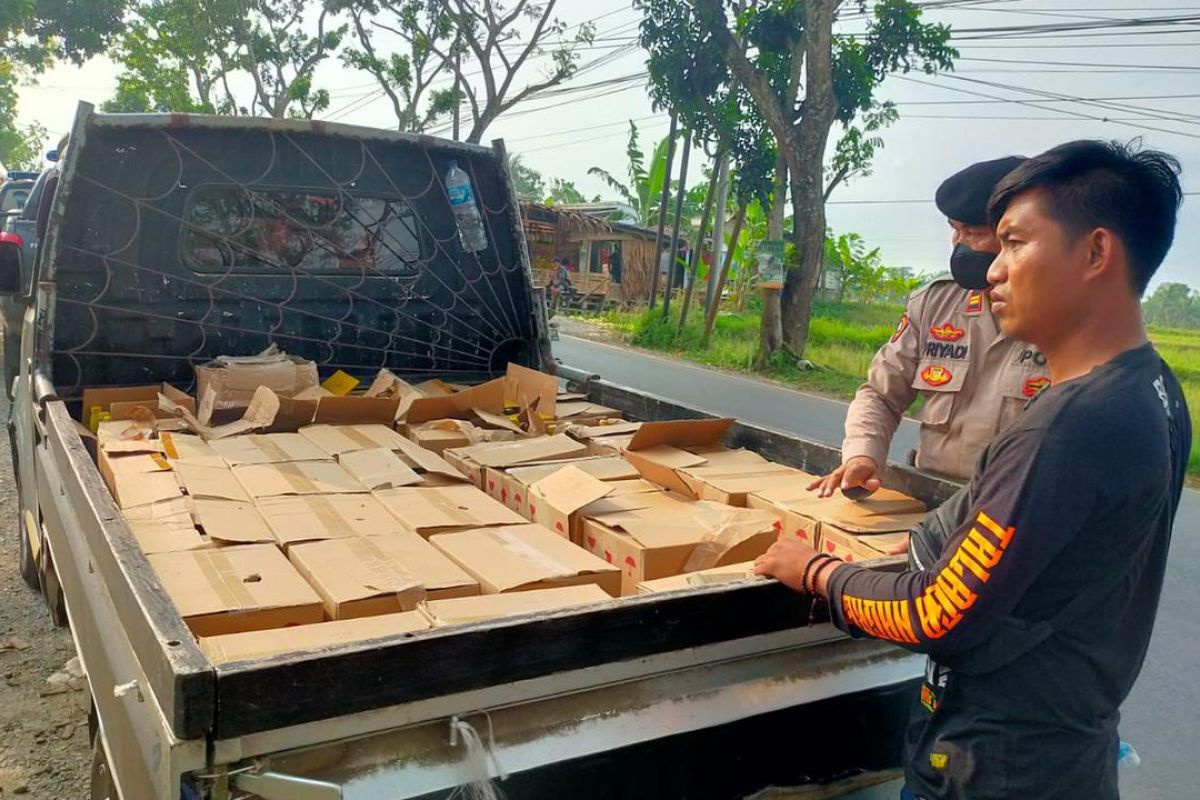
[843, 338]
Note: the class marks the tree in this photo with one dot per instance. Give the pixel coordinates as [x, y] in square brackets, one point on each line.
[1173, 305]
[642, 191]
[20, 146]
[733, 70]
[186, 55]
[528, 182]
[564, 193]
[485, 44]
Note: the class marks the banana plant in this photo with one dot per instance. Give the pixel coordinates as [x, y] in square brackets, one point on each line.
[643, 188]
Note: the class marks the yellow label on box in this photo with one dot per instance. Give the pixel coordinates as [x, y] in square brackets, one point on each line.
[340, 383]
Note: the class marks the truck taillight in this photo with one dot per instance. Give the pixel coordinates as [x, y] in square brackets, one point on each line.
[11, 238]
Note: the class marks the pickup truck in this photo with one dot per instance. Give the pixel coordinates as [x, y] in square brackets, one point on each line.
[172, 239]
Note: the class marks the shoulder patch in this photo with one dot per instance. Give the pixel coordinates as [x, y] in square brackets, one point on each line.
[901, 327]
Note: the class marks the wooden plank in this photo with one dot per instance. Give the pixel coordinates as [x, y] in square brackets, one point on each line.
[180, 676]
[262, 696]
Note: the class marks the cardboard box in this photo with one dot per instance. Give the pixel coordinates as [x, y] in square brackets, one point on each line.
[428, 463]
[168, 535]
[267, 448]
[868, 548]
[296, 478]
[439, 438]
[474, 460]
[610, 445]
[230, 522]
[232, 380]
[430, 510]
[260, 414]
[487, 397]
[582, 412]
[528, 388]
[562, 500]
[728, 485]
[139, 480]
[466, 610]
[524, 557]
[215, 483]
[332, 516]
[379, 469]
[684, 434]
[126, 397]
[806, 515]
[509, 486]
[338, 439]
[174, 508]
[732, 573]
[363, 577]
[190, 448]
[232, 589]
[647, 545]
[258, 645]
[602, 429]
[356, 410]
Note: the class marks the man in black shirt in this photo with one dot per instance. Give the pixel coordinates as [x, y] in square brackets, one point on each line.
[1038, 612]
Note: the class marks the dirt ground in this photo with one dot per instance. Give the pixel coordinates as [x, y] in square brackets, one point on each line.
[44, 748]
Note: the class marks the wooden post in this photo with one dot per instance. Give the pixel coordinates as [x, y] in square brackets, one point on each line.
[662, 209]
[715, 304]
[681, 193]
[698, 250]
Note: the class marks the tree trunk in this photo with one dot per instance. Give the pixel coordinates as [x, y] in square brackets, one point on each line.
[771, 331]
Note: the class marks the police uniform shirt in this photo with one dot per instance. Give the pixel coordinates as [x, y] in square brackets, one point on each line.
[948, 348]
[1066, 528]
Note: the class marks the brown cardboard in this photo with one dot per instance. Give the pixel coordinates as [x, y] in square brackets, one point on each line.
[428, 511]
[296, 478]
[258, 645]
[215, 483]
[190, 448]
[586, 433]
[379, 469]
[232, 589]
[853, 549]
[427, 462]
[472, 460]
[501, 423]
[131, 487]
[172, 509]
[465, 610]
[732, 573]
[229, 521]
[681, 433]
[356, 410]
[566, 397]
[485, 397]
[553, 500]
[234, 380]
[806, 515]
[333, 516]
[585, 413]
[366, 576]
[158, 536]
[439, 438]
[388, 384]
[728, 485]
[128, 396]
[267, 448]
[652, 544]
[338, 439]
[530, 388]
[664, 465]
[295, 412]
[434, 387]
[126, 436]
[524, 557]
[610, 445]
[509, 486]
[259, 415]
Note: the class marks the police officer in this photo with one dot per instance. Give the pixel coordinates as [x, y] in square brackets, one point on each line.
[949, 348]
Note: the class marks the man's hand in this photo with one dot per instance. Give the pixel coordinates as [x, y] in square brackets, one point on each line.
[858, 471]
[785, 561]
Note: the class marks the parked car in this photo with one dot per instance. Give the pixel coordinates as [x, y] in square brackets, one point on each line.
[20, 227]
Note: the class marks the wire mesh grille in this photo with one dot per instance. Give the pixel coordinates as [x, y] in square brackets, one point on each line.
[182, 244]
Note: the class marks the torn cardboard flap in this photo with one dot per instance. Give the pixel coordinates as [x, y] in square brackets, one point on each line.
[508, 454]
[378, 469]
[268, 448]
[664, 465]
[264, 405]
[530, 388]
[189, 448]
[168, 536]
[426, 461]
[498, 421]
[459, 405]
[427, 511]
[231, 521]
[388, 384]
[232, 589]
[258, 645]
[681, 433]
[133, 488]
[524, 557]
[570, 489]
[296, 478]
[462, 611]
[724, 531]
[313, 518]
[338, 439]
[214, 483]
[173, 508]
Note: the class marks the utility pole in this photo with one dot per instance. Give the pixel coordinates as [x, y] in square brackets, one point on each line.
[457, 99]
[718, 234]
[674, 243]
[662, 210]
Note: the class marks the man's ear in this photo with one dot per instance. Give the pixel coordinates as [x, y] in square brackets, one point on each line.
[1105, 253]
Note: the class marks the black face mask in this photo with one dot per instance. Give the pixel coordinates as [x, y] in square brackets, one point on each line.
[969, 267]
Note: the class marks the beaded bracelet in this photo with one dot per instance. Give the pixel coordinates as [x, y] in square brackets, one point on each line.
[819, 558]
[817, 574]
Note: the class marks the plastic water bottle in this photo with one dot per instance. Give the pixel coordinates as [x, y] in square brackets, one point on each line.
[466, 212]
[1127, 755]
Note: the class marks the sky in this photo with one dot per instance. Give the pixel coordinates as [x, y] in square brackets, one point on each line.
[1011, 92]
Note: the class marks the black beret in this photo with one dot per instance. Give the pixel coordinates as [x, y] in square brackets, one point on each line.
[964, 195]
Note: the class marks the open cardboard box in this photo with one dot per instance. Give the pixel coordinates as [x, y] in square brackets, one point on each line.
[523, 557]
[428, 511]
[474, 461]
[380, 469]
[264, 644]
[235, 589]
[267, 448]
[508, 486]
[338, 439]
[463, 611]
[233, 380]
[364, 576]
[296, 478]
[804, 514]
[561, 500]
[120, 402]
[311, 518]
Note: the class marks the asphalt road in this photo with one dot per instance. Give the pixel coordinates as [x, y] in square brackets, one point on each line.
[1161, 718]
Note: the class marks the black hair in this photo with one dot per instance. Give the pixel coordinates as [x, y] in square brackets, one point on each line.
[1091, 184]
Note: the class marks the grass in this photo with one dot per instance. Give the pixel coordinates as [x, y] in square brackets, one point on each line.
[843, 337]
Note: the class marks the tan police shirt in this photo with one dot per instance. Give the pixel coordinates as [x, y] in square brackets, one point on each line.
[975, 380]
